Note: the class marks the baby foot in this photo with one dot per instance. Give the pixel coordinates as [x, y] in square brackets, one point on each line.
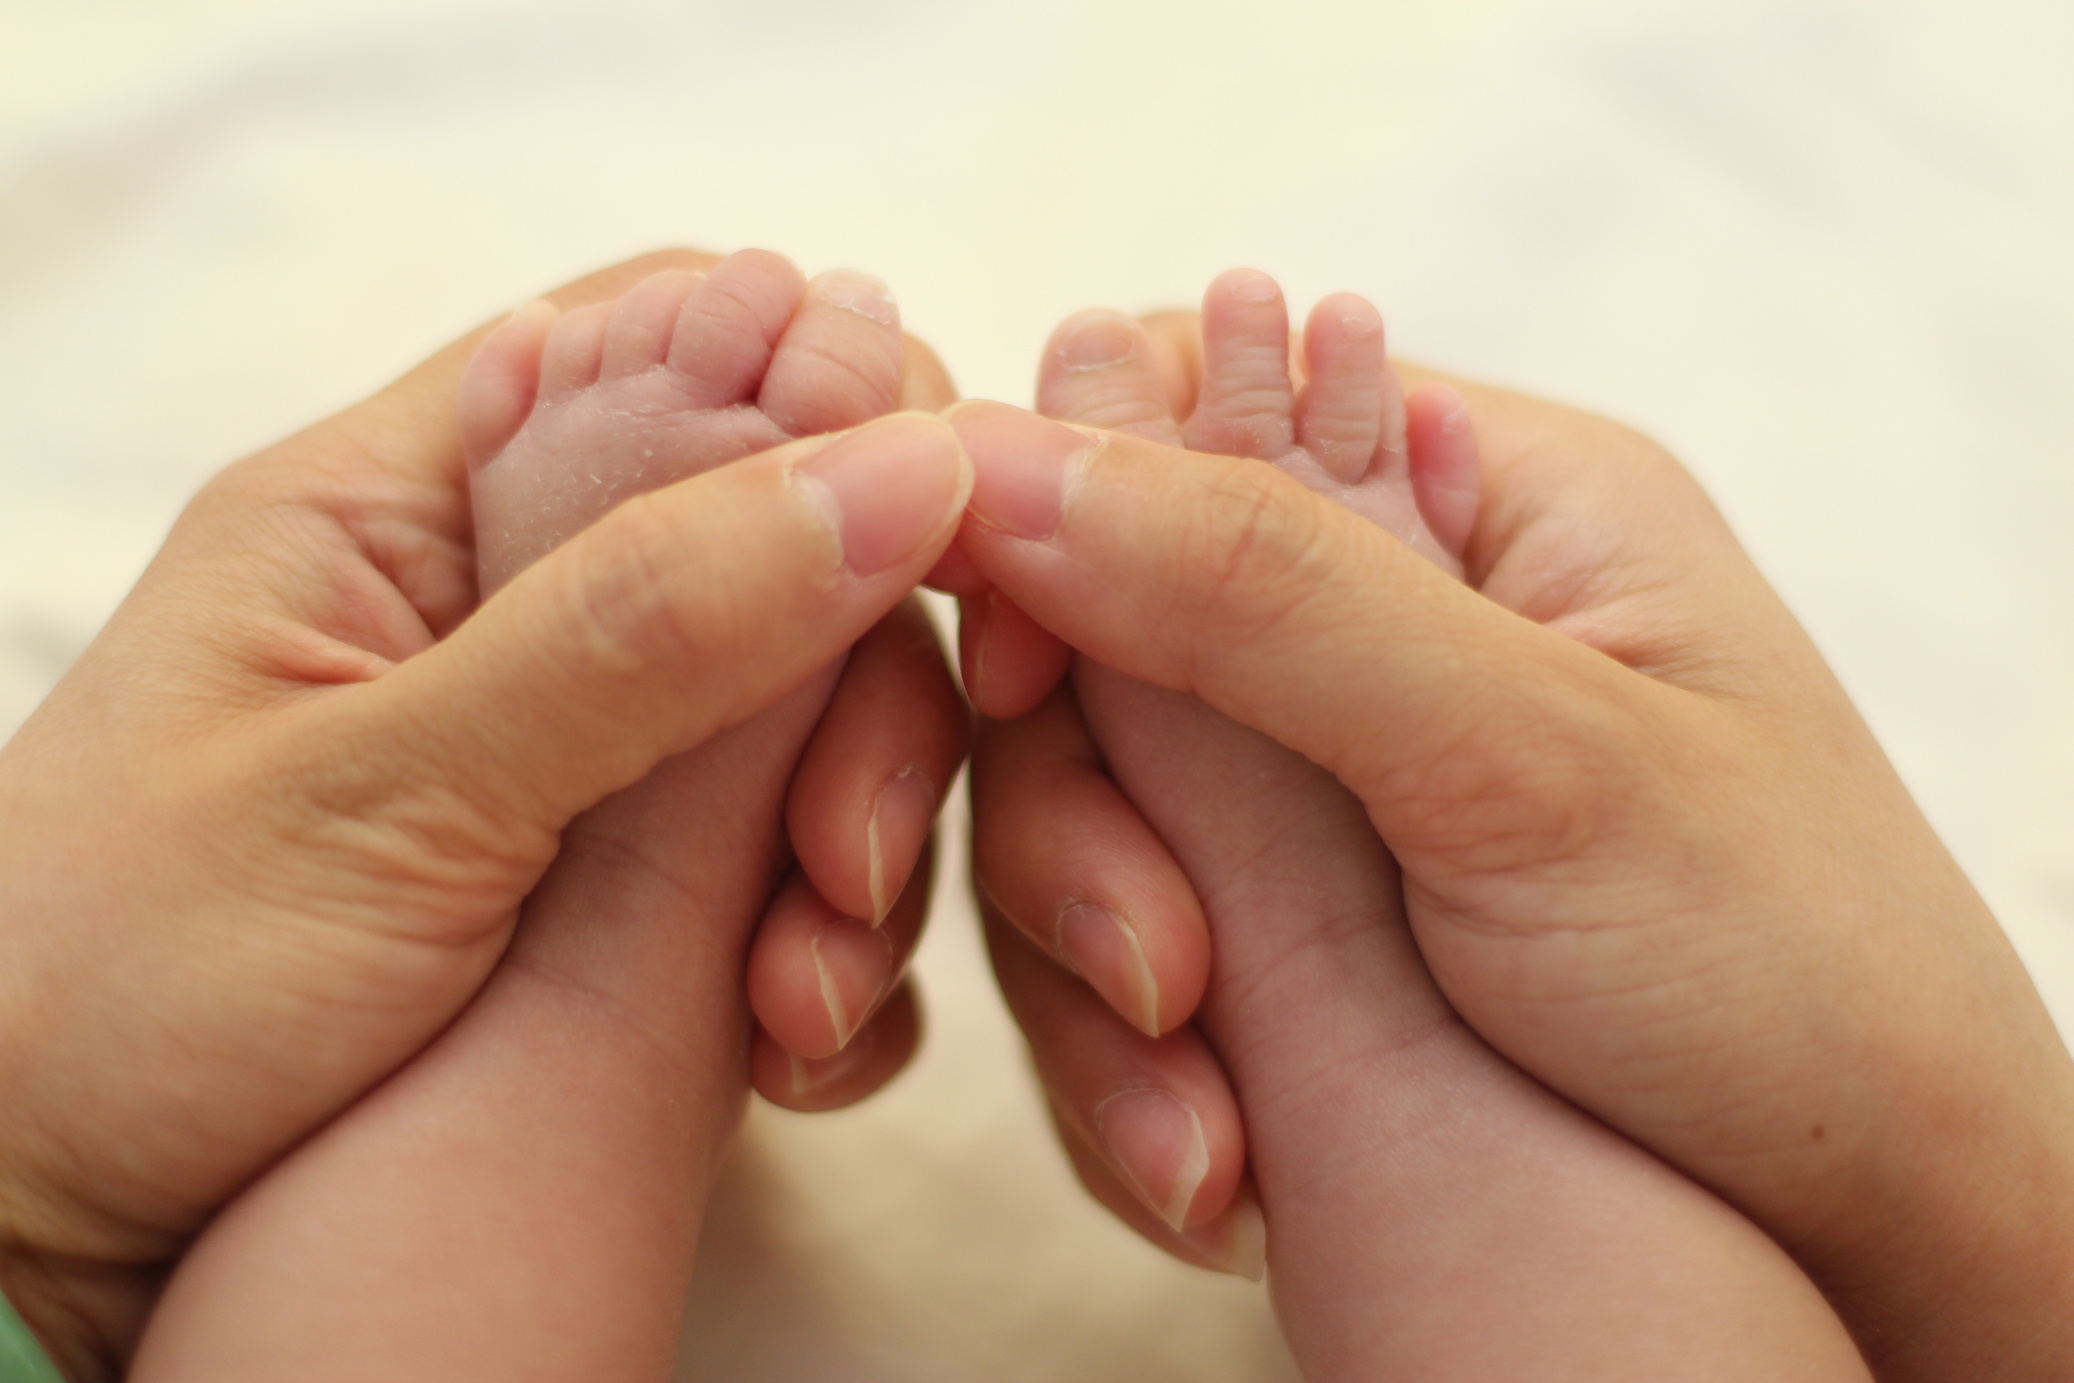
[1335, 417]
[1431, 1210]
[564, 416]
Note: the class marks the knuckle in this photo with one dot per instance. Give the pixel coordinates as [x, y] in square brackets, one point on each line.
[434, 857]
[629, 612]
[1545, 786]
[1249, 555]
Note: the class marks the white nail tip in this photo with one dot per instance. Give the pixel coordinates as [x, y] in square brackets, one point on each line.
[1247, 1255]
[1148, 987]
[875, 866]
[832, 1000]
[1188, 1177]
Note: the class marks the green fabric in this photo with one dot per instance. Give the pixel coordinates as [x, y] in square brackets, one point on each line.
[22, 1360]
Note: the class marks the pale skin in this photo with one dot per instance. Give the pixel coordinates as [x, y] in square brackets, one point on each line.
[318, 790]
[1649, 852]
[1215, 644]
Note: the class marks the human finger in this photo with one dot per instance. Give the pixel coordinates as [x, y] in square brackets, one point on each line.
[816, 976]
[873, 1057]
[1218, 576]
[1009, 661]
[871, 780]
[1067, 860]
[1235, 1242]
[1099, 368]
[1158, 1113]
[680, 613]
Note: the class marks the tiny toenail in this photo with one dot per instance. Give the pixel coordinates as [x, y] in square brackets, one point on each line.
[859, 293]
[1255, 288]
[1359, 326]
[1096, 345]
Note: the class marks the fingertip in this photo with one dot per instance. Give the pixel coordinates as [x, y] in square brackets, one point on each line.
[955, 574]
[1010, 662]
[878, 1053]
[891, 491]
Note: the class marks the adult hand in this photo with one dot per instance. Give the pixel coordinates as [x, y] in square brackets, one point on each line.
[1650, 851]
[273, 830]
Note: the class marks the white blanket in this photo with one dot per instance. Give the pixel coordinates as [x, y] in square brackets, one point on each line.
[1820, 248]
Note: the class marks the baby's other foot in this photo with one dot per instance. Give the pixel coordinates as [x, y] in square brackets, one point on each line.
[565, 415]
[1331, 413]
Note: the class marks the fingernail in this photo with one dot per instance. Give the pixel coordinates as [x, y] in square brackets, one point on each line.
[1236, 1241]
[1099, 341]
[810, 1074]
[854, 967]
[973, 613]
[1024, 466]
[887, 489]
[832, 995]
[1104, 950]
[1156, 1144]
[900, 817]
[861, 293]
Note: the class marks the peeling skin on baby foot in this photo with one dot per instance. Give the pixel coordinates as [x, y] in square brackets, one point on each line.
[566, 416]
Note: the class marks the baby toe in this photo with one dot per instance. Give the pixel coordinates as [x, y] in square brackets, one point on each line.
[1245, 406]
[502, 382]
[1099, 370]
[839, 362]
[638, 337]
[729, 327]
[1351, 412]
[574, 351]
[1446, 469]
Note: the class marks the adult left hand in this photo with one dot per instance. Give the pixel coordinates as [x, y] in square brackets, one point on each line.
[273, 830]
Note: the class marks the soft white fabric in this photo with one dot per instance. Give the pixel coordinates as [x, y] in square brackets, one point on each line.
[1820, 248]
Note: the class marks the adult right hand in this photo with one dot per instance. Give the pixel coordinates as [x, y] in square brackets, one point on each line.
[1650, 850]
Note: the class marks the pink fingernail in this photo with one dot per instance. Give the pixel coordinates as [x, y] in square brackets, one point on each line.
[1156, 1144]
[809, 1075]
[1024, 466]
[1105, 951]
[893, 836]
[888, 488]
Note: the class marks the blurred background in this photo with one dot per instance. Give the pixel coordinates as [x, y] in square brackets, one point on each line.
[1824, 250]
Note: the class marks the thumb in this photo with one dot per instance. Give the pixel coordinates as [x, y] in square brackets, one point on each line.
[1226, 578]
[678, 614]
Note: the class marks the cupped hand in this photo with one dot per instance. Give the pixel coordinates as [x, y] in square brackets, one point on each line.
[273, 830]
[1650, 851]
